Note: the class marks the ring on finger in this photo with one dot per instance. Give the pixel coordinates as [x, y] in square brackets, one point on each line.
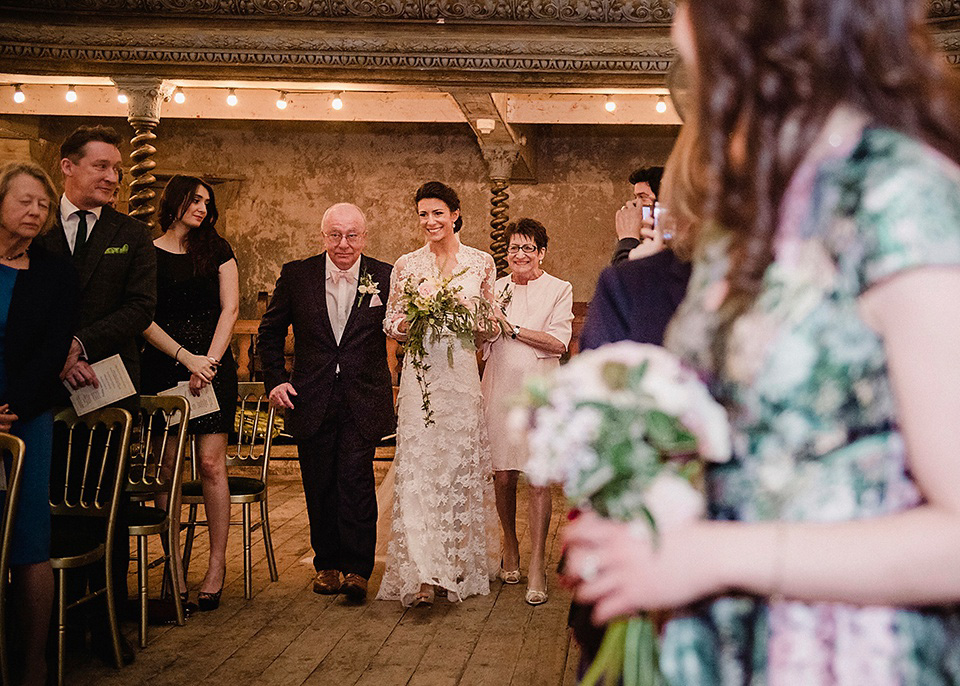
[590, 567]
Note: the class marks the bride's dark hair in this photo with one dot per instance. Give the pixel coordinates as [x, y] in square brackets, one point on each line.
[445, 194]
[769, 74]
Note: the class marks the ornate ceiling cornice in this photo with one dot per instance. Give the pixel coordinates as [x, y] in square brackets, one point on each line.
[482, 43]
[627, 12]
[944, 9]
[365, 53]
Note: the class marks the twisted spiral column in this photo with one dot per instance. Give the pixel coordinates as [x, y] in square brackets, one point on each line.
[142, 194]
[145, 95]
[500, 160]
[499, 208]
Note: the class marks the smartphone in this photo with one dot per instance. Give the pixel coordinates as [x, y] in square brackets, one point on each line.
[659, 213]
[646, 211]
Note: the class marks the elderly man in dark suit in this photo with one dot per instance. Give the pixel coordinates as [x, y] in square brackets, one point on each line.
[338, 399]
[116, 263]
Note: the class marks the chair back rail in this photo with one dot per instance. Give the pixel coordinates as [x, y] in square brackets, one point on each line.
[102, 434]
[255, 427]
[14, 447]
[160, 431]
[87, 476]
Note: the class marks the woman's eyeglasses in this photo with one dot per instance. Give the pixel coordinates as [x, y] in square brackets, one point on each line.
[529, 248]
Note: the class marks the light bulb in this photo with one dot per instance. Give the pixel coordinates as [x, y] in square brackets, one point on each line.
[232, 98]
[282, 101]
[18, 95]
[661, 105]
[179, 97]
[610, 105]
[71, 94]
[337, 102]
[122, 98]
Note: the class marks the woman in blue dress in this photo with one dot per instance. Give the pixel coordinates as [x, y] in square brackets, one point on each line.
[38, 308]
[823, 311]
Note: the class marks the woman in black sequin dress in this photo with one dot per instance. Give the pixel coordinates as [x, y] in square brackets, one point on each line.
[197, 301]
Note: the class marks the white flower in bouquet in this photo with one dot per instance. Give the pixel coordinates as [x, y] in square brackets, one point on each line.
[612, 427]
[672, 500]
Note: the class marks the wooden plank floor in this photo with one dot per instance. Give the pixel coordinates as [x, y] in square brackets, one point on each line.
[288, 636]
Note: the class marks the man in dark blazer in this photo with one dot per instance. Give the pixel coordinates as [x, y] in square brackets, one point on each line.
[339, 398]
[113, 254]
[635, 300]
[117, 268]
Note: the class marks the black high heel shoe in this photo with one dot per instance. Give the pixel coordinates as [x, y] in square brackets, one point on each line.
[207, 602]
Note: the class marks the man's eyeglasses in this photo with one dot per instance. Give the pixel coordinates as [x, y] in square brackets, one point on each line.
[528, 248]
[335, 238]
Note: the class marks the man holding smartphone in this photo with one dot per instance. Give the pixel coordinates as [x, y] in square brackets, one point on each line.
[630, 218]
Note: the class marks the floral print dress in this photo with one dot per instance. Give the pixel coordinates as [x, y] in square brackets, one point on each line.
[812, 407]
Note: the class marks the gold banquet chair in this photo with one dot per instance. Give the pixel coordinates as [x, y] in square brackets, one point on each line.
[13, 446]
[86, 483]
[251, 449]
[161, 426]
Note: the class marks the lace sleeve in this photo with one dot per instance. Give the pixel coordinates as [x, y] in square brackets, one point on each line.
[489, 279]
[490, 328]
[395, 314]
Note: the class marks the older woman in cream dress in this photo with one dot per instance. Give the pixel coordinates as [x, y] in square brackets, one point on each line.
[537, 317]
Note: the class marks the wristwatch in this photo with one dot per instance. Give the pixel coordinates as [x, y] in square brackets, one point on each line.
[515, 331]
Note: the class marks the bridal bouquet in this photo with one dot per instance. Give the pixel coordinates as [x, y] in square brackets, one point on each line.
[435, 308]
[617, 426]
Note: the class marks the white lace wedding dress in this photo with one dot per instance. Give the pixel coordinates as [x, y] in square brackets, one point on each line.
[444, 529]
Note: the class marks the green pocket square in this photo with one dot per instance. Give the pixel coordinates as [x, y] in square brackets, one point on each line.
[118, 250]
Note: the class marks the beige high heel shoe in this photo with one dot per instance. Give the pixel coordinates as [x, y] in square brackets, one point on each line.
[534, 597]
[509, 577]
[423, 597]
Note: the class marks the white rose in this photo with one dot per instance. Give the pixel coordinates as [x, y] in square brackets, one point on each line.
[673, 501]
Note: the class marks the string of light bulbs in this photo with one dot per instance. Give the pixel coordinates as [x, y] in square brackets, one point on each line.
[283, 98]
[610, 105]
[179, 96]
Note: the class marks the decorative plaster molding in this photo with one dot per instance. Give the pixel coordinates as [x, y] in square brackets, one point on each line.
[536, 42]
[627, 12]
[395, 52]
[145, 93]
[655, 12]
[944, 8]
[500, 160]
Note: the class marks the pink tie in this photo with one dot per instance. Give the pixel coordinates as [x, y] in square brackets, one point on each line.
[337, 274]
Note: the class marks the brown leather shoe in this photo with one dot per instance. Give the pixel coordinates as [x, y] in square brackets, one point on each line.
[327, 582]
[354, 587]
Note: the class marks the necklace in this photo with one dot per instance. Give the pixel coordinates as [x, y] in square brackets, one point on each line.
[11, 258]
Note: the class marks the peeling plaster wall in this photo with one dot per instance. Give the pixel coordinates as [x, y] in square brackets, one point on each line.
[282, 176]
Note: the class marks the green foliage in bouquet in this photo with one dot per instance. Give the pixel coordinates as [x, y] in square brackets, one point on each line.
[434, 309]
[617, 426]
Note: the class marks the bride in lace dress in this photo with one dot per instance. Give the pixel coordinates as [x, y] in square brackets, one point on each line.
[444, 532]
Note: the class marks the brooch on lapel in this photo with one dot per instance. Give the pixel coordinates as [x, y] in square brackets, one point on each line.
[367, 286]
[118, 250]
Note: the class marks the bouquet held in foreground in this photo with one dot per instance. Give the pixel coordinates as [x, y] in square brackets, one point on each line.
[617, 426]
[435, 308]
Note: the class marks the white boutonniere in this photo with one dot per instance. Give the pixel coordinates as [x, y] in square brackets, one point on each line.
[367, 286]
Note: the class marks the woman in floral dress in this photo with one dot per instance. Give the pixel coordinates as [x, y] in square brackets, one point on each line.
[827, 318]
